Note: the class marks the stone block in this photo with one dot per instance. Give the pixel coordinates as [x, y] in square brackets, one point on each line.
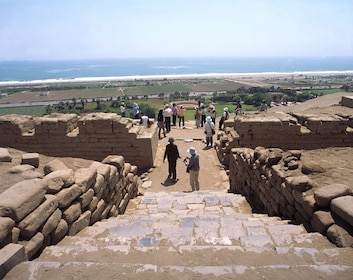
[339, 236]
[31, 223]
[50, 225]
[34, 245]
[299, 183]
[86, 198]
[31, 159]
[103, 169]
[343, 207]
[10, 256]
[6, 226]
[117, 161]
[72, 213]
[56, 180]
[321, 221]
[325, 194]
[82, 222]
[85, 178]
[22, 198]
[5, 155]
[59, 232]
[67, 195]
[54, 165]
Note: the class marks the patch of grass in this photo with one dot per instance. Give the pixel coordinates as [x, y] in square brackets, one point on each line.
[30, 110]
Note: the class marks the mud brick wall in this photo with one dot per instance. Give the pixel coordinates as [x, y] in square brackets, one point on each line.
[285, 131]
[39, 212]
[278, 183]
[93, 136]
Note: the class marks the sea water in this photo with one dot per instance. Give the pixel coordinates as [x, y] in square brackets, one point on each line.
[124, 67]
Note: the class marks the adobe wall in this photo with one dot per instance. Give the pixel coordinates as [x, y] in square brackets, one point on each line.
[285, 131]
[93, 136]
[39, 212]
[277, 182]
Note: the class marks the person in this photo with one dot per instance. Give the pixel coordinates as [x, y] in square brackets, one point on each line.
[197, 117]
[203, 115]
[209, 131]
[181, 115]
[123, 109]
[174, 113]
[238, 108]
[224, 117]
[193, 166]
[136, 111]
[144, 120]
[172, 154]
[213, 113]
[167, 117]
[263, 106]
[160, 124]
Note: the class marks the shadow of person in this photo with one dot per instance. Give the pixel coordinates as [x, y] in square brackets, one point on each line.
[169, 182]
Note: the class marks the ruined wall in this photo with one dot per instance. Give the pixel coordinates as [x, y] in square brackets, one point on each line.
[277, 182]
[93, 136]
[285, 131]
[39, 212]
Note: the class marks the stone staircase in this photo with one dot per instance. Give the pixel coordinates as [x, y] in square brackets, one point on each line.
[190, 235]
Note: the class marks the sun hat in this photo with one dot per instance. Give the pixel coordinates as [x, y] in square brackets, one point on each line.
[225, 109]
[208, 119]
[171, 139]
[191, 151]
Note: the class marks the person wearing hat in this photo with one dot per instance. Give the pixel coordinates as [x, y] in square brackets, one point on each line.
[224, 117]
[136, 111]
[172, 154]
[193, 166]
[123, 109]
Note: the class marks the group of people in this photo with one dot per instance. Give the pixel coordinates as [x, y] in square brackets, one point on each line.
[192, 163]
[167, 117]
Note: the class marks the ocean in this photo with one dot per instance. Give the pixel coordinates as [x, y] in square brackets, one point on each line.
[71, 69]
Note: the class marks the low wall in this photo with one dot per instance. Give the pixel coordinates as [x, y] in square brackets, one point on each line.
[39, 212]
[285, 131]
[276, 182]
[93, 136]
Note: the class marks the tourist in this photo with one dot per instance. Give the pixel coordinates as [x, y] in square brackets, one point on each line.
[193, 167]
[174, 113]
[209, 131]
[263, 106]
[167, 115]
[181, 115]
[238, 108]
[224, 117]
[144, 120]
[203, 115]
[213, 113]
[197, 117]
[123, 109]
[172, 154]
[136, 111]
[160, 124]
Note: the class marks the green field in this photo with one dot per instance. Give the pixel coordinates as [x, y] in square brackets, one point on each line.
[30, 110]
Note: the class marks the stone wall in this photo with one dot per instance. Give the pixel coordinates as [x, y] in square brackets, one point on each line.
[285, 131]
[277, 182]
[38, 212]
[93, 136]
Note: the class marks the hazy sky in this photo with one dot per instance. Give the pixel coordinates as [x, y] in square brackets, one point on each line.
[65, 29]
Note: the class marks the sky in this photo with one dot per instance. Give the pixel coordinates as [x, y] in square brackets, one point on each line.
[94, 29]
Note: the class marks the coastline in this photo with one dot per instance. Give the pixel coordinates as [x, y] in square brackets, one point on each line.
[263, 75]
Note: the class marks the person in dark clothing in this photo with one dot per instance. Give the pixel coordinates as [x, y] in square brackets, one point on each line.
[172, 154]
[160, 123]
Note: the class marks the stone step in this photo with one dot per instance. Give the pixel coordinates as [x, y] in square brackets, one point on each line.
[199, 235]
[142, 271]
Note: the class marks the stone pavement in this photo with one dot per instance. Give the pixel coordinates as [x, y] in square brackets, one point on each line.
[193, 235]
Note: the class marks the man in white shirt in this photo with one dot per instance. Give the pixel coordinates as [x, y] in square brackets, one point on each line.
[144, 121]
[167, 117]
